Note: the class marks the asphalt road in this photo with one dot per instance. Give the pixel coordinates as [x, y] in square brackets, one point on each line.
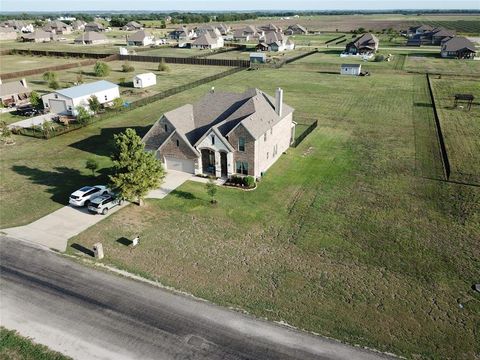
[91, 314]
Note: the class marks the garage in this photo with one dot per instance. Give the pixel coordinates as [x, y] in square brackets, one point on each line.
[58, 106]
[185, 165]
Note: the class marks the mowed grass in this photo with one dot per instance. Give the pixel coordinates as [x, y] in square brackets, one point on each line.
[438, 65]
[460, 126]
[15, 347]
[13, 63]
[175, 76]
[342, 236]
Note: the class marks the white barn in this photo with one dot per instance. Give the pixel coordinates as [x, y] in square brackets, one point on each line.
[350, 69]
[65, 101]
[144, 80]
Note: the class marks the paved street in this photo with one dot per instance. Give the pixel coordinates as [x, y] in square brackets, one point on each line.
[90, 314]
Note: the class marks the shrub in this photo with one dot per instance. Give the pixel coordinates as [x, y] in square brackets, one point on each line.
[49, 76]
[127, 67]
[249, 181]
[35, 99]
[101, 69]
[379, 58]
[92, 165]
[94, 104]
[53, 84]
[117, 103]
[83, 116]
[162, 66]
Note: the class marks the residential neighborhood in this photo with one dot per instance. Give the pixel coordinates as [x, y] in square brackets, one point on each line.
[239, 181]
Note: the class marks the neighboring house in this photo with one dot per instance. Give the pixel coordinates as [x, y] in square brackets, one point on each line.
[91, 38]
[367, 43]
[224, 134]
[140, 38]
[65, 101]
[419, 30]
[458, 47]
[144, 80]
[208, 40]
[433, 37]
[438, 35]
[7, 33]
[296, 30]
[14, 93]
[132, 26]
[270, 27]
[223, 28]
[94, 26]
[58, 27]
[78, 25]
[276, 41]
[258, 58]
[262, 47]
[248, 33]
[182, 33]
[20, 26]
[38, 36]
[350, 69]
[212, 30]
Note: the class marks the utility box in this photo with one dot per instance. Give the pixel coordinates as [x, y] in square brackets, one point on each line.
[98, 251]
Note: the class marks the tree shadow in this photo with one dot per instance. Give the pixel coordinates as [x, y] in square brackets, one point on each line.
[104, 144]
[125, 241]
[183, 195]
[83, 249]
[427, 105]
[61, 181]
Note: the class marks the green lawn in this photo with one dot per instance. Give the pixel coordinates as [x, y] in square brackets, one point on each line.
[177, 75]
[344, 236]
[460, 127]
[437, 65]
[12, 63]
[16, 347]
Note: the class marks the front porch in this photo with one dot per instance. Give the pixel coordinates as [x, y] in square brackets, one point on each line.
[215, 163]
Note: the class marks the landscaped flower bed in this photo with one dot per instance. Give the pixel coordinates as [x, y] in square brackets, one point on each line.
[242, 182]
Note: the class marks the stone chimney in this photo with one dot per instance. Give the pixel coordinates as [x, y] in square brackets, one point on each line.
[279, 101]
[23, 82]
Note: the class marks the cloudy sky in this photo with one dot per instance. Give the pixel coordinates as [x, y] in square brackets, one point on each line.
[208, 5]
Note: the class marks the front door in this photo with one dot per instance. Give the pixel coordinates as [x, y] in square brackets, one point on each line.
[223, 163]
[208, 161]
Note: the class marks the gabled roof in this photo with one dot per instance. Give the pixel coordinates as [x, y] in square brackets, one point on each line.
[272, 37]
[367, 40]
[458, 43]
[145, 75]
[297, 27]
[13, 88]
[139, 36]
[133, 24]
[90, 36]
[206, 39]
[351, 65]
[95, 25]
[86, 89]
[56, 24]
[443, 33]
[38, 34]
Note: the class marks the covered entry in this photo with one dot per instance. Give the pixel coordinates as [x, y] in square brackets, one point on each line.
[185, 165]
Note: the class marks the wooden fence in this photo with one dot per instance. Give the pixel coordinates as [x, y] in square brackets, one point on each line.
[187, 60]
[334, 39]
[19, 74]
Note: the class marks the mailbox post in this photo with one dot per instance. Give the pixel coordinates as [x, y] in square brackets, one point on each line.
[98, 251]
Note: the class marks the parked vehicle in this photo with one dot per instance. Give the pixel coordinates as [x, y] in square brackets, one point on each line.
[27, 110]
[86, 194]
[101, 204]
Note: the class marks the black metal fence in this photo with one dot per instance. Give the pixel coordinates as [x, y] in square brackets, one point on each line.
[441, 141]
[303, 135]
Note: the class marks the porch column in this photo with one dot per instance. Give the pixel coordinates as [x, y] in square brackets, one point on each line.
[218, 166]
[198, 166]
[230, 164]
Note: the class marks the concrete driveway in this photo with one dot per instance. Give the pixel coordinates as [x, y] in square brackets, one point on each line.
[172, 180]
[36, 120]
[54, 230]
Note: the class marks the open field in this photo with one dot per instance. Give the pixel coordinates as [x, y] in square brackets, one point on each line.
[341, 237]
[437, 65]
[16, 347]
[460, 127]
[178, 75]
[12, 63]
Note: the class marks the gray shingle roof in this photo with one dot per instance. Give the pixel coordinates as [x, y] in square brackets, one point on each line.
[206, 39]
[13, 88]
[139, 35]
[367, 40]
[38, 34]
[458, 43]
[91, 36]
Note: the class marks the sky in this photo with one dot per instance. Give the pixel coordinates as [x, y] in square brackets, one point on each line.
[209, 5]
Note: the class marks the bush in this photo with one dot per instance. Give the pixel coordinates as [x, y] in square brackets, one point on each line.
[35, 99]
[127, 67]
[101, 69]
[379, 58]
[83, 116]
[162, 66]
[53, 84]
[49, 76]
[249, 182]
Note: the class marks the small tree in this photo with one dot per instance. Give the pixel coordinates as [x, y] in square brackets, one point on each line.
[5, 132]
[127, 67]
[80, 78]
[136, 171]
[35, 99]
[94, 104]
[117, 103]
[49, 76]
[101, 69]
[92, 164]
[83, 116]
[162, 66]
[211, 188]
[53, 84]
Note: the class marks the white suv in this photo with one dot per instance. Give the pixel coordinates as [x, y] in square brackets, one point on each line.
[101, 204]
[84, 195]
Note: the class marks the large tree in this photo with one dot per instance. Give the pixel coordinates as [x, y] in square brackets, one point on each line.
[136, 171]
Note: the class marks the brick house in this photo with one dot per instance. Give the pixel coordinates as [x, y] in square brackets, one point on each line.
[224, 134]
